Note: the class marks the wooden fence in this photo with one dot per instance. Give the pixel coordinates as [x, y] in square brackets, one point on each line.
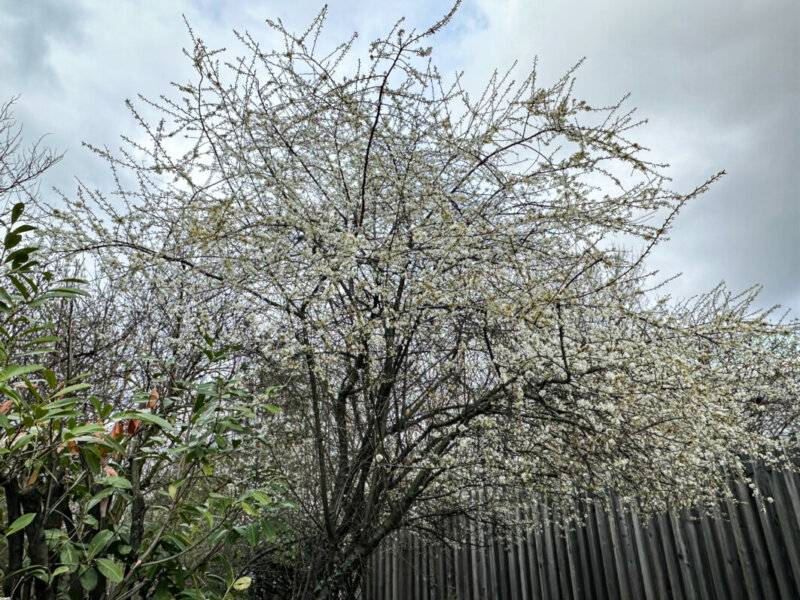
[750, 549]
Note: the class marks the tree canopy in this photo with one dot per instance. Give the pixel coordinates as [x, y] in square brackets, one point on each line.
[437, 283]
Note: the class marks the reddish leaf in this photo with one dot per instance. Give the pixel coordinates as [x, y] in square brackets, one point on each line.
[118, 430]
[133, 426]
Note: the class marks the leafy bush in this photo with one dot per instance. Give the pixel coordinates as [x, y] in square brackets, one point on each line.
[117, 497]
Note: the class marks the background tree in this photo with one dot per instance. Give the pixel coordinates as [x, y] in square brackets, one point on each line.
[433, 280]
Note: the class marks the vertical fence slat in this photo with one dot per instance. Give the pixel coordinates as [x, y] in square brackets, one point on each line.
[475, 550]
[683, 556]
[640, 540]
[595, 552]
[426, 572]
[748, 511]
[532, 556]
[670, 555]
[466, 562]
[562, 564]
[541, 558]
[442, 571]
[506, 587]
[750, 549]
[513, 566]
[452, 561]
[717, 558]
[584, 566]
[486, 572]
[788, 519]
[628, 548]
[573, 562]
[522, 557]
[553, 588]
[606, 553]
[766, 517]
[617, 547]
[698, 566]
[731, 518]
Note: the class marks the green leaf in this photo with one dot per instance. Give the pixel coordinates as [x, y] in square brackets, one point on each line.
[99, 496]
[83, 430]
[89, 579]
[99, 542]
[163, 592]
[72, 388]
[22, 442]
[64, 293]
[47, 339]
[233, 535]
[69, 290]
[272, 408]
[215, 537]
[144, 416]
[208, 517]
[64, 404]
[20, 255]
[92, 459]
[252, 534]
[24, 229]
[112, 570]
[90, 521]
[242, 583]
[107, 440]
[69, 555]
[260, 497]
[16, 212]
[12, 371]
[105, 410]
[268, 531]
[11, 240]
[50, 378]
[60, 570]
[116, 482]
[172, 541]
[20, 287]
[20, 523]
[31, 283]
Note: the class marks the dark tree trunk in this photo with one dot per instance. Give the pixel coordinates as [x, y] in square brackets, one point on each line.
[37, 544]
[16, 541]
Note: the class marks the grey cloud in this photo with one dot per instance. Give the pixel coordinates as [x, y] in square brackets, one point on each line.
[720, 83]
[28, 29]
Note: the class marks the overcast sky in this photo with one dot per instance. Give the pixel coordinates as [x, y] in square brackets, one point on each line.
[719, 81]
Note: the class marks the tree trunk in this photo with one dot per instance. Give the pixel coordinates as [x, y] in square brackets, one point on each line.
[16, 541]
[37, 544]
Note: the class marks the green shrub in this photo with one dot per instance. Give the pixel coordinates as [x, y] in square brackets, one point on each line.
[117, 497]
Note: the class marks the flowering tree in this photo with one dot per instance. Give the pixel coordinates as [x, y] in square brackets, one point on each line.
[432, 279]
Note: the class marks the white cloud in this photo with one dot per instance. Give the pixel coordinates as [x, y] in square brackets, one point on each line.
[720, 81]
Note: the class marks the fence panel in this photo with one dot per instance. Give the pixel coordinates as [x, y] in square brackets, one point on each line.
[749, 549]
